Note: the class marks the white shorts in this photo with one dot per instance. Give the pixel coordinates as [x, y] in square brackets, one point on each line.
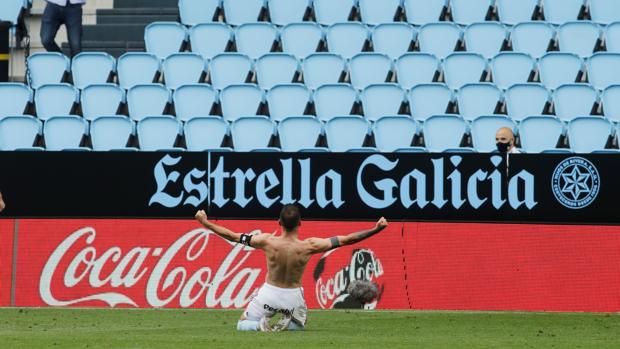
[269, 300]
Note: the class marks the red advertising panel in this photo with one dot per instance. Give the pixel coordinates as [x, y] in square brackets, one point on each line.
[6, 260]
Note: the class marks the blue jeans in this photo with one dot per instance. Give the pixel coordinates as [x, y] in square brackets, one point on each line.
[53, 17]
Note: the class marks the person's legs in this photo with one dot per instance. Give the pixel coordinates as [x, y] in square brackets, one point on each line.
[251, 317]
[49, 27]
[73, 22]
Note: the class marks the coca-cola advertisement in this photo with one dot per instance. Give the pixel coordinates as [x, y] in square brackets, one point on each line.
[6, 260]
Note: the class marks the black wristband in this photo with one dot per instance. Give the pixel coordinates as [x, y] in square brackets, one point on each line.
[335, 242]
[245, 239]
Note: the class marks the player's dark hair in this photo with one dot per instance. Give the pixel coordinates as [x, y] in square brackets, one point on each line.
[290, 217]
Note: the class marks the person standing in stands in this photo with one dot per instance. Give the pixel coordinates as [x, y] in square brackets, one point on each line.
[58, 12]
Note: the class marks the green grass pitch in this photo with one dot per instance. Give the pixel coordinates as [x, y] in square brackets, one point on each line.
[159, 328]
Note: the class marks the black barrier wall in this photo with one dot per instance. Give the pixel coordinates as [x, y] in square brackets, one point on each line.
[549, 188]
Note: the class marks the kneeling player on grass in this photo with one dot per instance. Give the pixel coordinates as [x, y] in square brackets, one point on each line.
[287, 257]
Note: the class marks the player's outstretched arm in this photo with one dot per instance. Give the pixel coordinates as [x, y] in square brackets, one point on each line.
[201, 216]
[322, 245]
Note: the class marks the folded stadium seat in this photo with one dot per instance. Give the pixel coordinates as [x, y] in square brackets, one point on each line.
[64, 132]
[194, 100]
[46, 68]
[561, 11]
[299, 132]
[14, 98]
[466, 12]
[604, 11]
[194, 12]
[439, 39]
[288, 100]
[556, 68]
[589, 133]
[369, 68]
[146, 100]
[101, 99]
[443, 132]
[328, 12]
[323, 68]
[344, 133]
[241, 100]
[205, 133]
[533, 38]
[10, 10]
[334, 100]
[252, 133]
[394, 132]
[159, 132]
[301, 39]
[283, 12]
[164, 38]
[393, 39]
[111, 132]
[478, 99]
[347, 39]
[510, 68]
[603, 69]
[463, 68]
[512, 12]
[416, 150]
[18, 132]
[183, 68]
[380, 100]
[484, 128]
[229, 69]
[416, 68]
[574, 100]
[540, 133]
[610, 97]
[135, 68]
[55, 99]
[255, 39]
[579, 37]
[210, 39]
[276, 68]
[426, 100]
[612, 37]
[485, 38]
[375, 12]
[315, 150]
[523, 100]
[420, 12]
[89, 68]
[238, 12]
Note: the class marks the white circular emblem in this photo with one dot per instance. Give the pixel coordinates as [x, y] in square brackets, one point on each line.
[575, 182]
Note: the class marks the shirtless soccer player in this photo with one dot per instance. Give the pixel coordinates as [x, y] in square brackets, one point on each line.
[287, 257]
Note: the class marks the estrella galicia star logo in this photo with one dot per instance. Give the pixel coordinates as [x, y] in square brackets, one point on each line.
[575, 183]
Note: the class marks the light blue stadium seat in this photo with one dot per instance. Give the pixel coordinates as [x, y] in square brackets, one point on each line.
[194, 12]
[579, 37]
[485, 38]
[328, 12]
[14, 98]
[238, 12]
[276, 68]
[89, 68]
[158, 132]
[510, 68]
[540, 133]
[512, 12]
[393, 39]
[347, 39]
[47, 68]
[334, 100]
[439, 39]
[17, 132]
[252, 133]
[283, 12]
[299, 132]
[525, 100]
[533, 38]
[344, 133]
[420, 12]
[426, 100]
[612, 37]
[484, 128]
[301, 39]
[205, 132]
[10, 10]
[374, 12]
[210, 39]
[64, 132]
[466, 12]
[323, 68]
[561, 11]
[394, 132]
[574, 100]
[101, 99]
[603, 69]
[380, 100]
[557, 69]
[241, 100]
[610, 97]
[147, 100]
[111, 132]
[463, 68]
[369, 68]
[164, 38]
[194, 100]
[183, 68]
[55, 99]
[416, 150]
[229, 69]
[288, 100]
[604, 11]
[589, 133]
[443, 132]
[135, 68]
[416, 68]
[255, 39]
[478, 99]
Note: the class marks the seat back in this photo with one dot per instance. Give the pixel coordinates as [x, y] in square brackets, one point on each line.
[334, 100]
[588, 134]
[443, 132]
[420, 12]
[439, 39]
[393, 39]
[484, 128]
[369, 68]
[255, 39]
[604, 11]
[523, 100]
[322, 69]
[540, 133]
[210, 39]
[394, 132]
[478, 99]
[283, 12]
[276, 68]
[485, 38]
[603, 70]
[241, 100]
[346, 39]
[101, 99]
[18, 132]
[301, 39]
[194, 100]
[416, 68]
[561, 11]
[533, 38]
[511, 68]
[229, 69]
[55, 99]
[375, 12]
[610, 97]
[463, 68]
[579, 37]
[328, 12]
[250, 133]
[135, 68]
[14, 98]
[89, 68]
[238, 12]
[512, 12]
[346, 132]
[111, 132]
[382, 100]
[299, 132]
[64, 132]
[183, 68]
[164, 38]
[612, 37]
[205, 132]
[574, 100]
[466, 12]
[288, 100]
[426, 100]
[147, 100]
[194, 12]
[557, 69]
[46, 68]
[158, 132]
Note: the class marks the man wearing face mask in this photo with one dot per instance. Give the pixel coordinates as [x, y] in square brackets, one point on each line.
[505, 141]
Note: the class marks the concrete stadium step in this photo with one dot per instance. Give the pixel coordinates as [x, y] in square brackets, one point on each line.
[114, 32]
[114, 48]
[145, 3]
[137, 15]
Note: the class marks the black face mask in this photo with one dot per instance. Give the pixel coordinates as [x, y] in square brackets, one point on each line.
[502, 147]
